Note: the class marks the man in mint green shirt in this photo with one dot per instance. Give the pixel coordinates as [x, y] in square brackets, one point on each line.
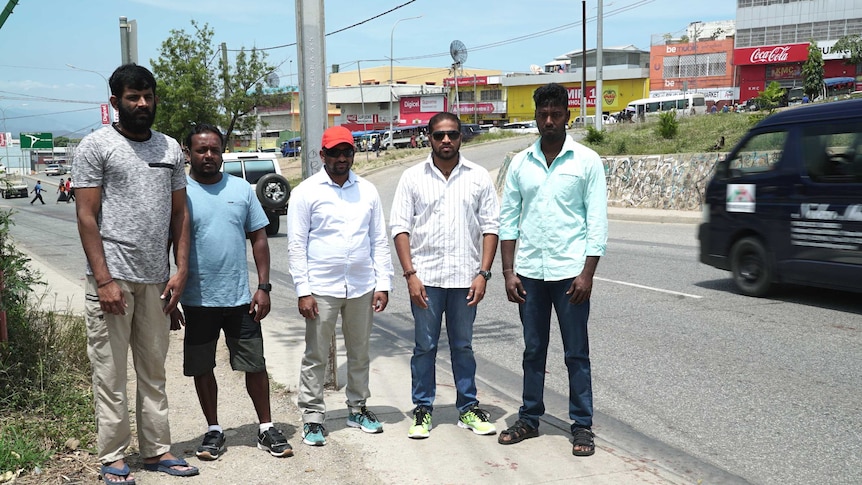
[555, 207]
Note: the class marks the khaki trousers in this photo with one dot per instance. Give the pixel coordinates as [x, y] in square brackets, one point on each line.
[356, 316]
[146, 329]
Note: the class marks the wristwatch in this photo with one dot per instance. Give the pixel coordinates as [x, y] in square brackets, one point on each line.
[267, 287]
[485, 274]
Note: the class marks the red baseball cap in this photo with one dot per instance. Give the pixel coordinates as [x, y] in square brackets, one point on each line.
[336, 135]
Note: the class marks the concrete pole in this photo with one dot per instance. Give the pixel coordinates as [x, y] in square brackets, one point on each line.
[311, 47]
[599, 67]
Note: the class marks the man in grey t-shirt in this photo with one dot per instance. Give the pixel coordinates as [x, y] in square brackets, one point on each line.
[130, 189]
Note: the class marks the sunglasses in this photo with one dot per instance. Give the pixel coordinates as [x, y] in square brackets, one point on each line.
[439, 135]
[335, 152]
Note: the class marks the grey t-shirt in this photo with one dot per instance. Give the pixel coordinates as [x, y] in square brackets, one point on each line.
[137, 181]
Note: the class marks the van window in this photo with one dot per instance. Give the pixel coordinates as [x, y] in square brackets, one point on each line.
[759, 154]
[833, 152]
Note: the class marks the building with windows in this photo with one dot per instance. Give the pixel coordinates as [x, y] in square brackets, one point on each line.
[701, 60]
[772, 39]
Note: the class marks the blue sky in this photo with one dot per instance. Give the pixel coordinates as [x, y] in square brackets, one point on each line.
[38, 92]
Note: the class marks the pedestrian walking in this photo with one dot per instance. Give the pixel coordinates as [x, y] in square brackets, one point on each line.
[61, 189]
[339, 259]
[70, 192]
[38, 190]
[444, 222]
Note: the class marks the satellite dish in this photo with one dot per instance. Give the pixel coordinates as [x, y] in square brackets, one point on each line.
[272, 80]
[535, 69]
[458, 51]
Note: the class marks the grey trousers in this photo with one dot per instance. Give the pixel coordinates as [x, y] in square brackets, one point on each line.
[356, 318]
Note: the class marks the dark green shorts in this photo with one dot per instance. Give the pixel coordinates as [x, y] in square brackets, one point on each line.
[242, 335]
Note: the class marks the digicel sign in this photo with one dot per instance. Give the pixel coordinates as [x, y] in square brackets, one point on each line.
[773, 54]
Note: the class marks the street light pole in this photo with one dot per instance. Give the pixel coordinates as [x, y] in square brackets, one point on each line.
[107, 84]
[391, 77]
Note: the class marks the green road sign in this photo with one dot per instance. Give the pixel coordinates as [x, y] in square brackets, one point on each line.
[37, 140]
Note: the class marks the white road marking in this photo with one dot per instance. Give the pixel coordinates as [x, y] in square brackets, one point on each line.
[660, 290]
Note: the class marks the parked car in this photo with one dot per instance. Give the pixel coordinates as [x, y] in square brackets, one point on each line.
[470, 131]
[55, 169]
[262, 171]
[785, 205]
[524, 127]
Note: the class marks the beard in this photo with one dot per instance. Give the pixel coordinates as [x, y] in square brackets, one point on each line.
[134, 121]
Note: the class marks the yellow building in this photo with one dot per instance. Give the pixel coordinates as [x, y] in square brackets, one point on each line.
[616, 94]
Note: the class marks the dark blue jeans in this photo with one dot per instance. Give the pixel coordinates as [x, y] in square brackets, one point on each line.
[536, 319]
[459, 328]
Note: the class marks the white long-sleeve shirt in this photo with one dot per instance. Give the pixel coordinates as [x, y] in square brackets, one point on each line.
[445, 220]
[337, 240]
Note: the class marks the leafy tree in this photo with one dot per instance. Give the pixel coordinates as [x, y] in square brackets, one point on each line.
[812, 71]
[187, 91]
[768, 98]
[191, 85]
[62, 141]
[246, 92]
[851, 44]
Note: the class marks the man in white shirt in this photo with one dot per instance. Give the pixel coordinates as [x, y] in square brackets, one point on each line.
[444, 221]
[340, 263]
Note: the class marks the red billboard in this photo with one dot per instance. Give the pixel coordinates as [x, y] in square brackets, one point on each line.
[773, 54]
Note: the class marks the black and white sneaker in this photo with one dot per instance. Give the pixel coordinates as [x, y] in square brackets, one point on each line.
[274, 442]
[212, 446]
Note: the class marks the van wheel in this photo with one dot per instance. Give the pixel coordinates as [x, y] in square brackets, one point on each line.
[274, 224]
[751, 267]
[273, 190]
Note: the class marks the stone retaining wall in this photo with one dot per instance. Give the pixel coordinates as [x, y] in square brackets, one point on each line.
[674, 181]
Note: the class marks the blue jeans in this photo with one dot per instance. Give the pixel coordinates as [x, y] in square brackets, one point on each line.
[459, 328]
[536, 319]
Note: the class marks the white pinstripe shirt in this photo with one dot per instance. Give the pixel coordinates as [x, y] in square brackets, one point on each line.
[445, 220]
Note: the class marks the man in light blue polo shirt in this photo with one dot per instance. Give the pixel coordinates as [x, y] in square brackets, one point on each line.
[555, 207]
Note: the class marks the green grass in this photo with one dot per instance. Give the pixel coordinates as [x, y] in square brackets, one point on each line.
[45, 392]
[695, 134]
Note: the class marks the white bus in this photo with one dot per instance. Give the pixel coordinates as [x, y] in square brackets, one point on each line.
[684, 104]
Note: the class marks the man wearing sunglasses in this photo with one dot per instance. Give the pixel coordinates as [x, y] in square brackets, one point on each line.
[555, 207]
[444, 221]
[339, 259]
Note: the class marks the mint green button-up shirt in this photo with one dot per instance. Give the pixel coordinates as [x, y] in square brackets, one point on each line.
[558, 214]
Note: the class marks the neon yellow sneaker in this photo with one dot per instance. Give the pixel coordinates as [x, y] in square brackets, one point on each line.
[476, 419]
[421, 427]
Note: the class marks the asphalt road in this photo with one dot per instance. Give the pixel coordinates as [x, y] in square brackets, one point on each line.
[749, 390]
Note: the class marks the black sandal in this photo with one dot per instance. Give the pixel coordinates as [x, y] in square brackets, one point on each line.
[517, 433]
[583, 437]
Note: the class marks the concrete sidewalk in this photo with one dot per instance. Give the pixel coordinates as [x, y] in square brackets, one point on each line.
[451, 455]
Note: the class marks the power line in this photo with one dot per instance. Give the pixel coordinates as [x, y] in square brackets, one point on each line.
[357, 24]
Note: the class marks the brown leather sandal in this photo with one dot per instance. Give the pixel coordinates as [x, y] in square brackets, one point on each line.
[517, 433]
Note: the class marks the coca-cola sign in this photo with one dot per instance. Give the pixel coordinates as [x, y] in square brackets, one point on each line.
[776, 54]
[773, 54]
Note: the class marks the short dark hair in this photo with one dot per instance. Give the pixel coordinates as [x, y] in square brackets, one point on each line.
[204, 128]
[443, 115]
[131, 76]
[551, 94]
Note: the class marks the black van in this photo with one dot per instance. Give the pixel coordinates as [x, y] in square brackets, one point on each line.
[785, 206]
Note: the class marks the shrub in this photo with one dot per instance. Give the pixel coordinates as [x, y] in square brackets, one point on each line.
[668, 125]
[594, 136]
[45, 390]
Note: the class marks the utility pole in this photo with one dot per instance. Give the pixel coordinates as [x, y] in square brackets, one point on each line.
[311, 48]
[7, 11]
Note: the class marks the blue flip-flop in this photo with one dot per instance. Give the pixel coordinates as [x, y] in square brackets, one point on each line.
[165, 467]
[120, 472]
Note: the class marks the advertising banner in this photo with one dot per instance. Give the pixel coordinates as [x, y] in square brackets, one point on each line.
[773, 54]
